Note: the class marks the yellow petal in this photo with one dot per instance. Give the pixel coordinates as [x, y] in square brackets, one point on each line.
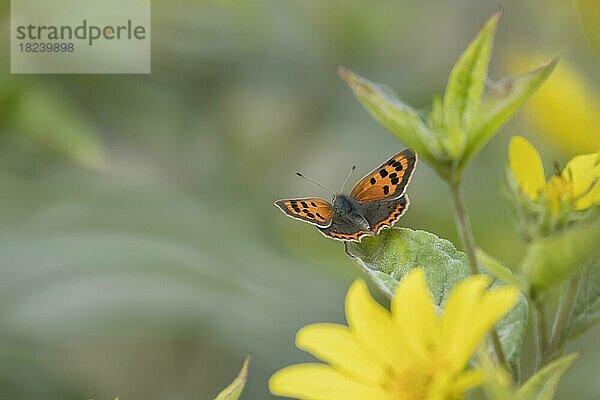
[467, 380]
[526, 166]
[336, 345]
[460, 310]
[488, 310]
[371, 323]
[320, 382]
[414, 315]
[494, 305]
[583, 171]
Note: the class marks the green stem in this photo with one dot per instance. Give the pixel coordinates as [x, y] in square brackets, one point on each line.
[541, 340]
[467, 241]
[563, 314]
[463, 227]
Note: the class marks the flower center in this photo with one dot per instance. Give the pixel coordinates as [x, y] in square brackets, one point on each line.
[413, 384]
[559, 190]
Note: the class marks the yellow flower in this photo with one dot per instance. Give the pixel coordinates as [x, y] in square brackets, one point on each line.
[410, 353]
[565, 109]
[577, 186]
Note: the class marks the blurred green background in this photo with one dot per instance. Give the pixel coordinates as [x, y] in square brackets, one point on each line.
[140, 253]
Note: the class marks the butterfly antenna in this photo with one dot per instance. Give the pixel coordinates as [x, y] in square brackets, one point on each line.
[347, 178]
[311, 180]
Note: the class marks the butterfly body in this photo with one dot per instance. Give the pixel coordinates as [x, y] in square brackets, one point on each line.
[377, 201]
[349, 209]
[344, 204]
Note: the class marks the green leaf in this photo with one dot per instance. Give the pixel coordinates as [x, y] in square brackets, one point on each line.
[540, 386]
[435, 119]
[49, 119]
[389, 256]
[543, 384]
[498, 384]
[235, 389]
[496, 268]
[589, 15]
[586, 312]
[394, 252]
[467, 79]
[512, 330]
[513, 327]
[550, 260]
[503, 99]
[399, 118]
[454, 141]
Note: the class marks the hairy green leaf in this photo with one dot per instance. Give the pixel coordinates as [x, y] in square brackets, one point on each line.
[390, 255]
[543, 384]
[550, 260]
[513, 327]
[512, 330]
[235, 389]
[467, 79]
[501, 101]
[589, 15]
[586, 312]
[399, 118]
[394, 252]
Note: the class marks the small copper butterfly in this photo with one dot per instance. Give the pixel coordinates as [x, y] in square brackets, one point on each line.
[377, 201]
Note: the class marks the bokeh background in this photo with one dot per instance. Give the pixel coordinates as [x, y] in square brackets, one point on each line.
[140, 253]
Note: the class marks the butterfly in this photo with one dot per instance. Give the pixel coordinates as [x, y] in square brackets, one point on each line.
[377, 201]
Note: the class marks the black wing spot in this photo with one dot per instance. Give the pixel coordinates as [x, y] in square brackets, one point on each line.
[312, 203]
[383, 173]
[393, 175]
[310, 215]
[386, 189]
[400, 167]
[395, 181]
[320, 216]
[304, 204]
[373, 181]
[305, 211]
[296, 208]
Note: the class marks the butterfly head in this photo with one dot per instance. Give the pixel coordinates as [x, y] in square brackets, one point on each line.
[343, 203]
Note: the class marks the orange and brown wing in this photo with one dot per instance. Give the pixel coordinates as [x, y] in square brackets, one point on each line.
[345, 231]
[389, 180]
[385, 213]
[311, 209]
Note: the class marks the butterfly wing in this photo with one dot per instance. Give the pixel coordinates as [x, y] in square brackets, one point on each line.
[344, 229]
[311, 209]
[389, 180]
[384, 213]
